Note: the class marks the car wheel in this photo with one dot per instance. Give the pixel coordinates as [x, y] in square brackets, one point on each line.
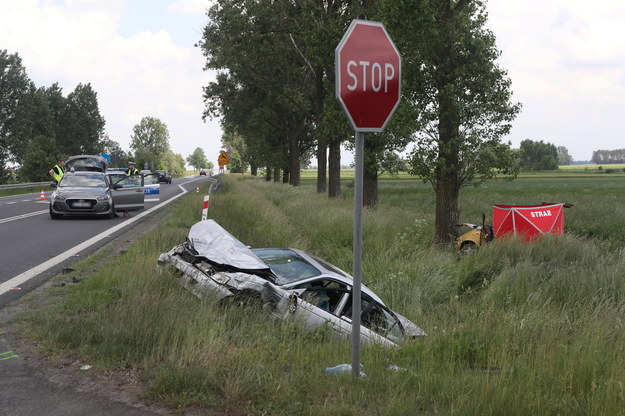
[53, 215]
[467, 248]
[111, 214]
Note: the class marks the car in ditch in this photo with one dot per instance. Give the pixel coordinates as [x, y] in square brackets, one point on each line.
[92, 193]
[285, 281]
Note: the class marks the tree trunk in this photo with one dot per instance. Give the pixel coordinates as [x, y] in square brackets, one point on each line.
[447, 186]
[322, 160]
[285, 175]
[370, 186]
[334, 188]
[294, 166]
[253, 169]
[446, 210]
[268, 174]
[276, 174]
[370, 176]
[322, 142]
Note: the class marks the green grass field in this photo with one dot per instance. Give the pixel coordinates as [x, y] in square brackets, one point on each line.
[514, 329]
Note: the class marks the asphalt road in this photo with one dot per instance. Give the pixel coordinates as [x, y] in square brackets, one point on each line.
[36, 247]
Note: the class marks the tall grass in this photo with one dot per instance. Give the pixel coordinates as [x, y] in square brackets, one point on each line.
[514, 329]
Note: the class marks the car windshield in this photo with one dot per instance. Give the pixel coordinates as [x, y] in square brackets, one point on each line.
[83, 181]
[286, 264]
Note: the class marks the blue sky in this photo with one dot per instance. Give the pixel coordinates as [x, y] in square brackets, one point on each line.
[566, 60]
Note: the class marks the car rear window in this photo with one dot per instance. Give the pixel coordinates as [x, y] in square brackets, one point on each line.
[286, 264]
[86, 181]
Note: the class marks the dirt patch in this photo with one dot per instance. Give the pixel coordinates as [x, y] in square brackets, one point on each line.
[120, 385]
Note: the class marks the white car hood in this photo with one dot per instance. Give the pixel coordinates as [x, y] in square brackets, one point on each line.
[211, 241]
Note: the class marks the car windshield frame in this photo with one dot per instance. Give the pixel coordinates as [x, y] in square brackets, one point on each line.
[286, 264]
[84, 180]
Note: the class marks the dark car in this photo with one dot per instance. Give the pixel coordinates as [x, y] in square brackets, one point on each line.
[163, 176]
[202, 173]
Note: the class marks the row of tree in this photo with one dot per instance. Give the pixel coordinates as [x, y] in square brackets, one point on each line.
[606, 157]
[274, 93]
[40, 125]
[542, 156]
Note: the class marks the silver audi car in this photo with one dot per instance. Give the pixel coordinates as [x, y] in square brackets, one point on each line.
[286, 281]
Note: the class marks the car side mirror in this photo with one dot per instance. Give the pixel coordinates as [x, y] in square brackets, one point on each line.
[117, 186]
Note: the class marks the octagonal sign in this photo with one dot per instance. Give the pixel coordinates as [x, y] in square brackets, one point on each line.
[368, 75]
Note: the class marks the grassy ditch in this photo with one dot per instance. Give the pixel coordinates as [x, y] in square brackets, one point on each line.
[514, 329]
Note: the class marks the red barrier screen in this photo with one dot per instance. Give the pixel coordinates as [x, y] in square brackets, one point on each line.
[528, 221]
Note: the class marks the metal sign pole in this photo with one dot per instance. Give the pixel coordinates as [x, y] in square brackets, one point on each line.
[356, 292]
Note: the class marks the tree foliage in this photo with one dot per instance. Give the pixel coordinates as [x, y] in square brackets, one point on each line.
[31, 117]
[274, 59]
[564, 158]
[82, 127]
[14, 86]
[197, 159]
[150, 141]
[459, 96]
[605, 157]
[538, 155]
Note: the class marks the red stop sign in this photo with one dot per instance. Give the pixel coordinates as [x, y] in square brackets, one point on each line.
[368, 74]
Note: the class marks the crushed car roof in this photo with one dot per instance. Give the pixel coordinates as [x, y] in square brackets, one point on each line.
[211, 241]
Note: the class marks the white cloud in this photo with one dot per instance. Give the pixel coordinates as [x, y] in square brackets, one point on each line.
[190, 6]
[566, 60]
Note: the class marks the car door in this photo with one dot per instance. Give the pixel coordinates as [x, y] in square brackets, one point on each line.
[128, 192]
[151, 186]
[315, 302]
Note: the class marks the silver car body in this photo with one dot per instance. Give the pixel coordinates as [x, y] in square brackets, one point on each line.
[94, 193]
[290, 282]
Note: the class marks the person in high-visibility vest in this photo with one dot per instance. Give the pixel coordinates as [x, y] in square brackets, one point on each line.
[132, 169]
[57, 171]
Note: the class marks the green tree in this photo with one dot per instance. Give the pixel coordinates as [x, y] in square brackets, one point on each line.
[538, 155]
[564, 158]
[172, 162]
[14, 85]
[459, 96]
[393, 164]
[82, 126]
[38, 159]
[149, 141]
[115, 152]
[264, 92]
[197, 159]
[236, 148]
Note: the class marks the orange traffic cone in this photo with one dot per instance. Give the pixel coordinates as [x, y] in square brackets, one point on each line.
[197, 189]
[42, 196]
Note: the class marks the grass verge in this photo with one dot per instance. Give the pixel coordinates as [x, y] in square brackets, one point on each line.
[514, 329]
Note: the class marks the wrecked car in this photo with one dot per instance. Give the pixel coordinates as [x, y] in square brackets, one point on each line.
[285, 281]
[525, 221]
[475, 237]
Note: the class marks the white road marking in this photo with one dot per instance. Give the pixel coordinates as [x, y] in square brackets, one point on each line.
[19, 217]
[29, 274]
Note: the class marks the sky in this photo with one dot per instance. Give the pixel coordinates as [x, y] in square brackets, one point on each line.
[566, 60]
